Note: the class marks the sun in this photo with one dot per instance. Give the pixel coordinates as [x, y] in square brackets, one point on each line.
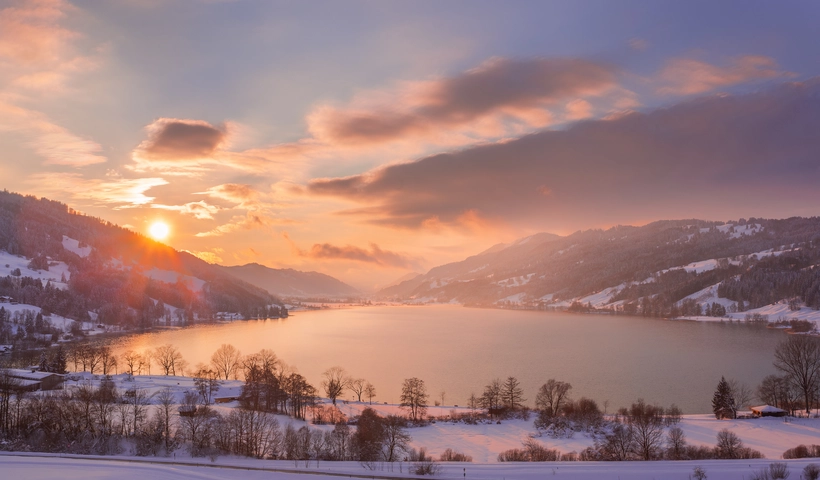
[159, 230]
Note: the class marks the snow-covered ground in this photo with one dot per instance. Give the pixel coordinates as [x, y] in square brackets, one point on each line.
[30, 466]
[169, 276]
[771, 436]
[55, 273]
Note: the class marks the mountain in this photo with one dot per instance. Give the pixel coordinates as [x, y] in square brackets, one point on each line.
[666, 268]
[83, 268]
[291, 283]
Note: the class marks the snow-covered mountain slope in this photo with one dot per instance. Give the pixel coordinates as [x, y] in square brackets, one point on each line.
[658, 266]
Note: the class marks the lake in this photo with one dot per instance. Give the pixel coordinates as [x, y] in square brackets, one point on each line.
[459, 350]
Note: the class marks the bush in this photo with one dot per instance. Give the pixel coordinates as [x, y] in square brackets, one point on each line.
[802, 451]
[811, 472]
[449, 455]
[427, 467]
[699, 473]
[779, 471]
[419, 455]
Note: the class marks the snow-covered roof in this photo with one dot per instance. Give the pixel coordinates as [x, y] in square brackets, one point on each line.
[767, 409]
[29, 375]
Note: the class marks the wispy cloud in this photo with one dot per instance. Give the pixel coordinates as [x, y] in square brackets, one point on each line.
[687, 76]
[111, 190]
[199, 210]
[374, 255]
[37, 58]
[512, 88]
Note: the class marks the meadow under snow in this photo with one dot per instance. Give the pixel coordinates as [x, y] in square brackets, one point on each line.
[771, 436]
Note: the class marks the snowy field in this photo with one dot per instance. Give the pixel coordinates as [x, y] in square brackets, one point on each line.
[47, 467]
[771, 436]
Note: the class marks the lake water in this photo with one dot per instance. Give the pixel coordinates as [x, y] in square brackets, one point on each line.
[459, 350]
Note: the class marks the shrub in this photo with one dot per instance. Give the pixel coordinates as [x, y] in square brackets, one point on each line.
[699, 473]
[802, 451]
[779, 471]
[427, 467]
[811, 472]
[449, 455]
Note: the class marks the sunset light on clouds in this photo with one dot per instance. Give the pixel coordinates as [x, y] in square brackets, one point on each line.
[366, 140]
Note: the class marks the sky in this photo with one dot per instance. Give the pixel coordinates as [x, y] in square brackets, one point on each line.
[370, 139]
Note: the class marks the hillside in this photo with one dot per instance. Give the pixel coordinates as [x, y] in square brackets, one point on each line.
[85, 268]
[291, 283]
[666, 268]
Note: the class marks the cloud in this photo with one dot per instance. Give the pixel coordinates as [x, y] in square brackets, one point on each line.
[110, 190]
[212, 256]
[375, 255]
[199, 210]
[710, 155]
[54, 143]
[501, 97]
[30, 32]
[175, 139]
[185, 146]
[241, 194]
[37, 60]
[516, 88]
[253, 220]
[686, 76]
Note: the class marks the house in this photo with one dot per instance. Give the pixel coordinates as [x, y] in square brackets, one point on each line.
[768, 411]
[31, 379]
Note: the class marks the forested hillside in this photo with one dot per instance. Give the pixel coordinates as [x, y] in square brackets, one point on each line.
[111, 276]
[650, 269]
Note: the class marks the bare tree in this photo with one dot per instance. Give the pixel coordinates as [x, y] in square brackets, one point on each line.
[169, 358]
[414, 398]
[207, 383]
[226, 360]
[492, 398]
[334, 383]
[133, 361]
[370, 392]
[396, 439]
[108, 361]
[357, 386]
[647, 428]
[137, 400]
[742, 393]
[675, 444]
[799, 358]
[552, 396]
[164, 413]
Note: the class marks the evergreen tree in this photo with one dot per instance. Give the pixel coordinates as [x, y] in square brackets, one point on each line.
[723, 401]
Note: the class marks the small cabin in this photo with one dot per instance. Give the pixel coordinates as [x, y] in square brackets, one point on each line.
[30, 379]
[768, 411]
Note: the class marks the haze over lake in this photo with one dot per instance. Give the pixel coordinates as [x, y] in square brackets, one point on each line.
[459, 350]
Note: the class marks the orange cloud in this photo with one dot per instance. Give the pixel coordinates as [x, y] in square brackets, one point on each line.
[122, 192]
[199, 210]
[241, 194]
[375, 255]
[671, 162]
[518, 89]
[686, 76]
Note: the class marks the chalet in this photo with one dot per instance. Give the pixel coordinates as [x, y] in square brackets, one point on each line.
[768, 411]
[31, 379]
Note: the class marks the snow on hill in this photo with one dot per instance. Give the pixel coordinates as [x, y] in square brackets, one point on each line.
[55, 273]
[169, 276]
[74, 246]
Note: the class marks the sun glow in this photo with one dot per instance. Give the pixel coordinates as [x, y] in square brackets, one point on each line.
[159, 230]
